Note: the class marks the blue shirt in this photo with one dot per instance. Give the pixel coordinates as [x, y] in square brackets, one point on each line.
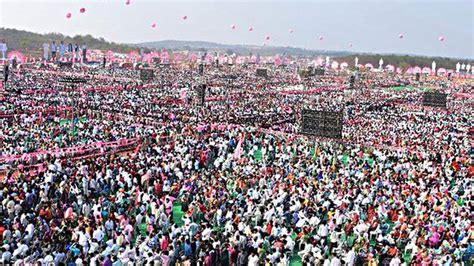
[188, 251]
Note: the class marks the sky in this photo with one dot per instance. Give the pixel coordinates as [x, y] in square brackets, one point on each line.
[369, 25]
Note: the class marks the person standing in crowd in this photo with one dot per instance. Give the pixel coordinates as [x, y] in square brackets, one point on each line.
[84, 52]
[53, 50]
[70, 48]
[76, 51]
[3, 48]
[62, 50]
[142, 53]
[45, 51]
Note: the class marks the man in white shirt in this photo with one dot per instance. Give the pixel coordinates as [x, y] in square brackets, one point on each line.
[21, 250]
[253, 259]
[62, 50]
[350, 258]
[335, 261]
[59, 257]
[323, 230]
[395, 261]
[53, 50]
[3, 48]
[98, 234]
[84, 52]
[46, 51]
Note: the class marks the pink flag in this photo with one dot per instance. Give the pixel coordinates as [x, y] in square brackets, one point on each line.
[201, 128]
[135, 152]
[69, 213]
[183, 94]
[137, 196]
[145, 177]
[238, 151]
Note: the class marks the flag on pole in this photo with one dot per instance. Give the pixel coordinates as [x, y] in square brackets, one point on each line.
[238, 150]
[257, 155]
[345, 159]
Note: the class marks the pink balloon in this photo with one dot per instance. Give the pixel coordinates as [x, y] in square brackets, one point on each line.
[185, 17]
[320, 38]
[127, 2]
[68, 15]
[82, 10]
[153, 25]
[250, 28]
[232, 26]
[400, 36]
[441, 38]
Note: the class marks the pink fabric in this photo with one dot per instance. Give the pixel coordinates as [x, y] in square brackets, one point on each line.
[238, 151]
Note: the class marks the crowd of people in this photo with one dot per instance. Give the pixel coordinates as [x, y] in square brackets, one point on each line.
[231, 181]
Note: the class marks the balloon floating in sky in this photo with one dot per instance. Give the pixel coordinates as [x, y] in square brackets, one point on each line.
[291, 30]
[320, 38]
[127, 2]
[68, 15]
[232, 26]
[153, 25]
[441, 38]
[250, 28]
[400, 36]
[185, 17]
[267, 37]
[82, 10]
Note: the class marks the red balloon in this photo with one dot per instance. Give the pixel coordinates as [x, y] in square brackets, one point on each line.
[153, 25]
[68, 15]
[82, 10]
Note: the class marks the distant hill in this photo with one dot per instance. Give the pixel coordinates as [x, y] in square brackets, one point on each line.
[201, 46]
[172, 44]
[31, 43]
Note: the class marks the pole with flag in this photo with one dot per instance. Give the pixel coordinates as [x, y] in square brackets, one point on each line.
[238, 150]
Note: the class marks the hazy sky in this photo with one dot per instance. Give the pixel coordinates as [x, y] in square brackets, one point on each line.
[371, 26]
